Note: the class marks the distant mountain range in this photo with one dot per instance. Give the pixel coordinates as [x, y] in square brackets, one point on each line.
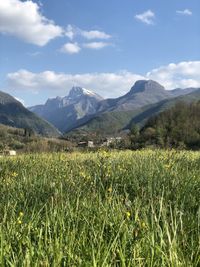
[13, 113]
[86, 111]
[112, 122]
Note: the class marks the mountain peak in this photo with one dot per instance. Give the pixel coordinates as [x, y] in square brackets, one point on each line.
[77, 92]
[146, 85]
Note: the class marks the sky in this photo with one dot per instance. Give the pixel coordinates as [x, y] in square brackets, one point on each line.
[48, 46]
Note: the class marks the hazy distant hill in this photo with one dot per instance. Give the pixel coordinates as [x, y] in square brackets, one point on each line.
[13, 113]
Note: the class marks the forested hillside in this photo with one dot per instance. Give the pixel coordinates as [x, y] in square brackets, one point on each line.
[177, 127]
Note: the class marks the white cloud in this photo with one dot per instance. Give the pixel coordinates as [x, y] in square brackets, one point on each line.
[25, 21]
[71, 48]
[146, 17]
[96, 45]
[73, 31]
[106, 84]
[95, 35]
[185, 12]
[180, 75]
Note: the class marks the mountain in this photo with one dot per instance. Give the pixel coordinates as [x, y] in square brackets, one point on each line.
[109, 123]
[143, 92]
[82, 105]
[86, 110]
[181, 92]
[64, 112]
[157, 108]
[13, 113]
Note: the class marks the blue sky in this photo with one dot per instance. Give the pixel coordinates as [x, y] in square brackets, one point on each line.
[48, 46]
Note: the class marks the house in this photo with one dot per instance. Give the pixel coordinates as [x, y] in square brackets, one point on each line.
[111, 141]
[86, 144]
[10, 152]
[82, 144]
[90, 144]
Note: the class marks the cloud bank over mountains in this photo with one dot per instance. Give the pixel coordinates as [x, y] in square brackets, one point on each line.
[180, 75]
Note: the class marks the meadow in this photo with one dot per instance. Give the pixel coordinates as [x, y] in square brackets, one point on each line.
[123, 208]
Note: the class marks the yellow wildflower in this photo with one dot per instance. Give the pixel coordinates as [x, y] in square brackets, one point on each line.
[143, 225]
[110, 189]
[14, 174]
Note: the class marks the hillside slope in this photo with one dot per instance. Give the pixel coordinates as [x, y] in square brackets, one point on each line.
[178, 126]
[152, 110]
[16, 139]
[13, 113]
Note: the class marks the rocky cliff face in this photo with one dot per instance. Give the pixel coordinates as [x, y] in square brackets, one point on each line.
[63, 112]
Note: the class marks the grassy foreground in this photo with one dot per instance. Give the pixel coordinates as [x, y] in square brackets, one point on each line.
[100, 209]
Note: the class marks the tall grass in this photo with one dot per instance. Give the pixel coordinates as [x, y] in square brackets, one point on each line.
[100, 209]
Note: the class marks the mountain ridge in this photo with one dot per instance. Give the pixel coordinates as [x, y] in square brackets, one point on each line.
[117, 121]
[13, 113]
[82, 105]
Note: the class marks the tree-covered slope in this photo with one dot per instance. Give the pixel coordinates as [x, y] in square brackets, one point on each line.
[154, 109]
[178, 126]
[18, 139]
[13, 113]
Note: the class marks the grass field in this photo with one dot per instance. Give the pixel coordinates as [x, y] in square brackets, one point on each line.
[100, 209]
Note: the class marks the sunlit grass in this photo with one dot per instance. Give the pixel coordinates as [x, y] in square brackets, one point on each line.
[100, 209]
